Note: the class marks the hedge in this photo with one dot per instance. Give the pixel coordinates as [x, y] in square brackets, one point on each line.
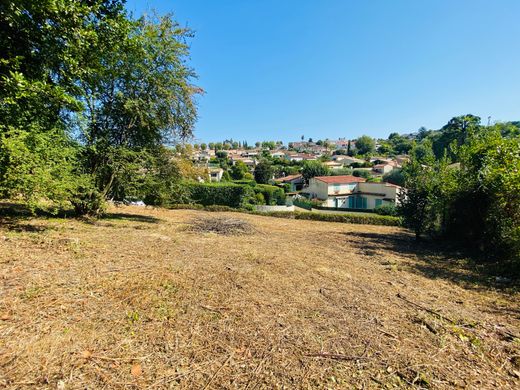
[369, 219]
[273, 195]
[304, 204]
[224, 194]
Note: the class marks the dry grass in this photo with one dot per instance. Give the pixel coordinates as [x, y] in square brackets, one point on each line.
[221, 225]
[138, 301]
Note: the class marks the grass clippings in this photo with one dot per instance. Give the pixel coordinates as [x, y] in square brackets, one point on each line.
[138, 302]
[221, 225]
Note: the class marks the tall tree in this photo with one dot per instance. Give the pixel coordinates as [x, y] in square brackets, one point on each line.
[139, 96]
[365, 144]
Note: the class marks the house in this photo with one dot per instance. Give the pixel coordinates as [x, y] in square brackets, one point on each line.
[277, 154]
[215, 173]
[333, 165]
[250, 162]
[347, 160]
[382, 168]
[296, 182]
[301, 157]
[352, 192]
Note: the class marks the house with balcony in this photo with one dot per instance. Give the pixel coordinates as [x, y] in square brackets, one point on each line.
[350, 192]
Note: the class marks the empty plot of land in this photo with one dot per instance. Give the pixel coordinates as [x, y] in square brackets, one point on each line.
[157, 299]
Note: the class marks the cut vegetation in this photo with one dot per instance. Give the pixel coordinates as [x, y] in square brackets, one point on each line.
[147, 299]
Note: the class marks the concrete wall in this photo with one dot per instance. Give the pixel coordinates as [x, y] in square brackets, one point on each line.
[266, 208]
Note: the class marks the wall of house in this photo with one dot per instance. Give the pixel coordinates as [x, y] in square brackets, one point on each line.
[334, 189]
[316, 189]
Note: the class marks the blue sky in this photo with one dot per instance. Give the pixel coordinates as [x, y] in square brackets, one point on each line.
[279, 69]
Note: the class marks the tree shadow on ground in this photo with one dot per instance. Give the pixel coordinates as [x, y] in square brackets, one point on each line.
[440, 260]
[14, 217]
[130, 217]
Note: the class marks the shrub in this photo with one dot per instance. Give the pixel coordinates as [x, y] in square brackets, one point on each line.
[361, 173]
[304, 203]
[259, 198]
[368, 219]
[386, 209]
[272, 194]
[219, 208]
[87, 200]
[225, 194]
[186, 206]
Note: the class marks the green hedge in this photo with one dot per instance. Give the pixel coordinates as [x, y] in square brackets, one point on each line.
[304, 204]
[224, 194]
[273, 195]
[186, 206]
[251, 183]
[369, 219]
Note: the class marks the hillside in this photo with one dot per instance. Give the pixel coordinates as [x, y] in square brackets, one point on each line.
[138, 300]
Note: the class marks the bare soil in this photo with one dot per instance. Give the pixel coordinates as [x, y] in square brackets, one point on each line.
[140, 300]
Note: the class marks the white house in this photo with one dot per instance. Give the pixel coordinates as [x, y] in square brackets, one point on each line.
[347, 160]
[215, 174]
[333, 165]
[296, 181]
[352, 192]
[277, 154]
[382, 168]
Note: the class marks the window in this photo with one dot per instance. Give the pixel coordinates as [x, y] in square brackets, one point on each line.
[379, 202]
[357, 202]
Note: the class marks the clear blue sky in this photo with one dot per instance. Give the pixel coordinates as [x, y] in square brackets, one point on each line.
[279, 69]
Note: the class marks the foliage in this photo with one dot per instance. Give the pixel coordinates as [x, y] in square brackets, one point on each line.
[88, 91]
[395, 176]
[238, 170]
[365, 145]
[475, 200]
[271, 194]
[225, 194]
[263, 172]
[368, 219]
[312, 169]
[361, 173]
[386, 209]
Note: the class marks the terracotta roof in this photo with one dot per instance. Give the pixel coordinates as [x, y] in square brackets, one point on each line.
[288, 178]
[340, 179]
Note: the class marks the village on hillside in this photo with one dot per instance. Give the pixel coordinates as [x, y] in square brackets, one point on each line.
[341, 177]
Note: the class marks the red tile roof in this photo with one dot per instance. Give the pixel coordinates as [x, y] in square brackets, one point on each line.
[340, 179]
[288, 178]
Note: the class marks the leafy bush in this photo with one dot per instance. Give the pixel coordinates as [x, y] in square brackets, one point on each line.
[361, 173]
[219, 208]
[386, 209]
[304, 203]
[87, 200]
[368, 219]
[273, 195]
[251, 183]
[225, 194]
[186, 206]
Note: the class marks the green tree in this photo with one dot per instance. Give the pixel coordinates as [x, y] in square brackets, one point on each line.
[263, 172]
[365, 145]
[455, 132]
[395, 176]
[139, 97]
[44, 45]
[312, 169]
[238, 170]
